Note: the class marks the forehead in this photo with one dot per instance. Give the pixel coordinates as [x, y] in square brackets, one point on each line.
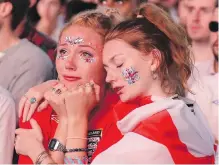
[201, 3]
[215, 15]
[87, 34]
[116, 47]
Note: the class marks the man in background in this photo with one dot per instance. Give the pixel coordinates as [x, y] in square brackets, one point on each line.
[200, 14]
[22, 64]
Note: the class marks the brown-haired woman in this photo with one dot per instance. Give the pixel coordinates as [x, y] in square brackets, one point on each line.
[147, 60]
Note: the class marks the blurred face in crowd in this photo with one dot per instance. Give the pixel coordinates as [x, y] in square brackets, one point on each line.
[214, 32]
[154, 1]
[200, 14]
[164, 3]
[168, 3]
[49, 9]
[79, 57]
[125, 7]
[182, 11]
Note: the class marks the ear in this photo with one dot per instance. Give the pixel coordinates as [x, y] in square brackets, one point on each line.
[156, 59]
[5, 9]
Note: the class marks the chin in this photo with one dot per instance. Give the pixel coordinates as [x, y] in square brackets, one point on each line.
[124, 98]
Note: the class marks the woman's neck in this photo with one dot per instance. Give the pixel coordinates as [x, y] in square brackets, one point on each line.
[157, 90]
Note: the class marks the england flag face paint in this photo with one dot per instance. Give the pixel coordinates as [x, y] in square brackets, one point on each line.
[130, 75]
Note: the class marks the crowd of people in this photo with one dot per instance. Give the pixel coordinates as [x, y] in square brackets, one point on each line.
[109, 81]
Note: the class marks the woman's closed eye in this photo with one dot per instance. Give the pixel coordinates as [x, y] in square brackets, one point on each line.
[119, 66]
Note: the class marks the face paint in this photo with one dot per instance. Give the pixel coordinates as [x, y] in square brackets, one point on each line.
[73, 41]
[62, 56]
[87, 57]
[130, 75]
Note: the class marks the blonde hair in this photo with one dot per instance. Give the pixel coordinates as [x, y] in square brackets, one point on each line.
[156, 30]
[100, 20]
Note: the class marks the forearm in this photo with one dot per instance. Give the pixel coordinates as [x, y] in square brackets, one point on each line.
[60, 135]
[77, 134]
[43, 159]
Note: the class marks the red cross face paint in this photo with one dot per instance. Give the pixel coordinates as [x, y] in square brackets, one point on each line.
[130, 75]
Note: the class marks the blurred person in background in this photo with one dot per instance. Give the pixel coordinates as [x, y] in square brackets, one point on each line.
[182, 11]
[7, 126]
[22, 64]
[126, 8]
[206, 90]
[168, 5]
[25, 29]
[52, 18]
[197, 25]
[76, 6]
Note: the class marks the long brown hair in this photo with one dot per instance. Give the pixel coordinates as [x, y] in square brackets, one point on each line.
[154, 29]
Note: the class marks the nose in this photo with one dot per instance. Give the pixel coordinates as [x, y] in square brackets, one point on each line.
[196, 17]
[70, 63]
[110, 77]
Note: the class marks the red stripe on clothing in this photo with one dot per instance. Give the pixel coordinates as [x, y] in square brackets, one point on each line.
[160, 128]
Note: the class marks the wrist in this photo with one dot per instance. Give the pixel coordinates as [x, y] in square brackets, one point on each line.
[63, 120]
[77, 128]
[78, 121]
[34, 153]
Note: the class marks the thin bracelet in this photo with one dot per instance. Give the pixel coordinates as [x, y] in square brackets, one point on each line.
[38, 160]
[42, 159]
[76, 138]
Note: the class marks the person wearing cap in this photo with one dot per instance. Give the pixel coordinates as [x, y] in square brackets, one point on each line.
[205, 91]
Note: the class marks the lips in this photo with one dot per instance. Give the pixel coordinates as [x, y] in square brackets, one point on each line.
[194, 28]
[71, 78]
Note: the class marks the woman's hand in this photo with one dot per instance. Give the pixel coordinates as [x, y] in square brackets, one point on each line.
[36, 95]
[79, 102]
[55, 98]
[29, 141]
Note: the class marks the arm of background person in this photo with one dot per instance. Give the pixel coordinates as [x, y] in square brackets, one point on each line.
[7, 127]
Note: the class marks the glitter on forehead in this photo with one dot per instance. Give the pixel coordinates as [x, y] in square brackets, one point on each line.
[74, 41]
[130, 75]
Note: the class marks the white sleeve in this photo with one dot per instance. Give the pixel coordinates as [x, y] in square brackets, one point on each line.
[7, 129]
[135, 149]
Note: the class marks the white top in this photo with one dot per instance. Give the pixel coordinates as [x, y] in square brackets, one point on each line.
[7, 126]
[206, 96]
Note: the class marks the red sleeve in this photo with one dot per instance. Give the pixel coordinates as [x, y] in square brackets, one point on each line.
[43, 119]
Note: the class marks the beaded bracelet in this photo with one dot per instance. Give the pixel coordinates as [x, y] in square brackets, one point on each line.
[75, 150]
[76, 160]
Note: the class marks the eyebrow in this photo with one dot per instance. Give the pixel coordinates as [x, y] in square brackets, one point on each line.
[113, 58]
[80, 45]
